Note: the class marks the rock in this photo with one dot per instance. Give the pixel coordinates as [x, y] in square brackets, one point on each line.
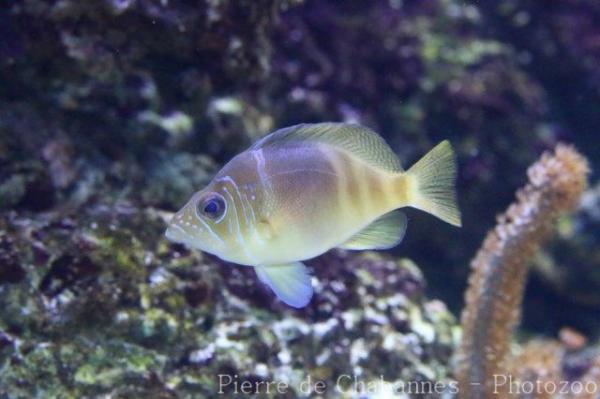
[114, 308]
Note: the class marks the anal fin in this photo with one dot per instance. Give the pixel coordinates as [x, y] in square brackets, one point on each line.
[385, 232]
[290, 282]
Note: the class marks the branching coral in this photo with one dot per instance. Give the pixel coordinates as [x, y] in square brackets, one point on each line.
[496, 285]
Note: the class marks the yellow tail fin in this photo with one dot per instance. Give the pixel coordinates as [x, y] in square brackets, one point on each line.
[431, 184]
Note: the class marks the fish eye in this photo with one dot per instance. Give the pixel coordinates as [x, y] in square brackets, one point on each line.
[213, 207]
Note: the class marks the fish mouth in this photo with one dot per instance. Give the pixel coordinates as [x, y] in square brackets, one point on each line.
[176, 234]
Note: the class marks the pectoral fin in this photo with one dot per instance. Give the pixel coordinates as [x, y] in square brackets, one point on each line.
[290, 282]
[385, 232]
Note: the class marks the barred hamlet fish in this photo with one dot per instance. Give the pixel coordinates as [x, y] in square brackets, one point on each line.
[305, 189]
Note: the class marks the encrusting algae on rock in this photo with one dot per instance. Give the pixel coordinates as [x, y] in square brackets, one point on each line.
[168, 329]
[306, 189]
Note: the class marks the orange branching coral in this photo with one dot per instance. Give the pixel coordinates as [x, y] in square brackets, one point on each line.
[538, 365]
[541, 370]
[499, 270]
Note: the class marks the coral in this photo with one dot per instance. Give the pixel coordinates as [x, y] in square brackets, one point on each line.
[550, 369]
[495, 293]
[538, 363]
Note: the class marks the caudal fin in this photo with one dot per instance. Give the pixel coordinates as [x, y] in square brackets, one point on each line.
[431, 184]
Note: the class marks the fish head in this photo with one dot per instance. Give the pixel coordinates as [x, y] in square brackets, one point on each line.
[202, 223]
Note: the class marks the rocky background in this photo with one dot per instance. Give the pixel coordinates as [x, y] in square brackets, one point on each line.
[112, 112]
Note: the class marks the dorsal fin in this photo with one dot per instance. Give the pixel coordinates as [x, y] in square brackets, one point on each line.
[357, 140]
[385, 232]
